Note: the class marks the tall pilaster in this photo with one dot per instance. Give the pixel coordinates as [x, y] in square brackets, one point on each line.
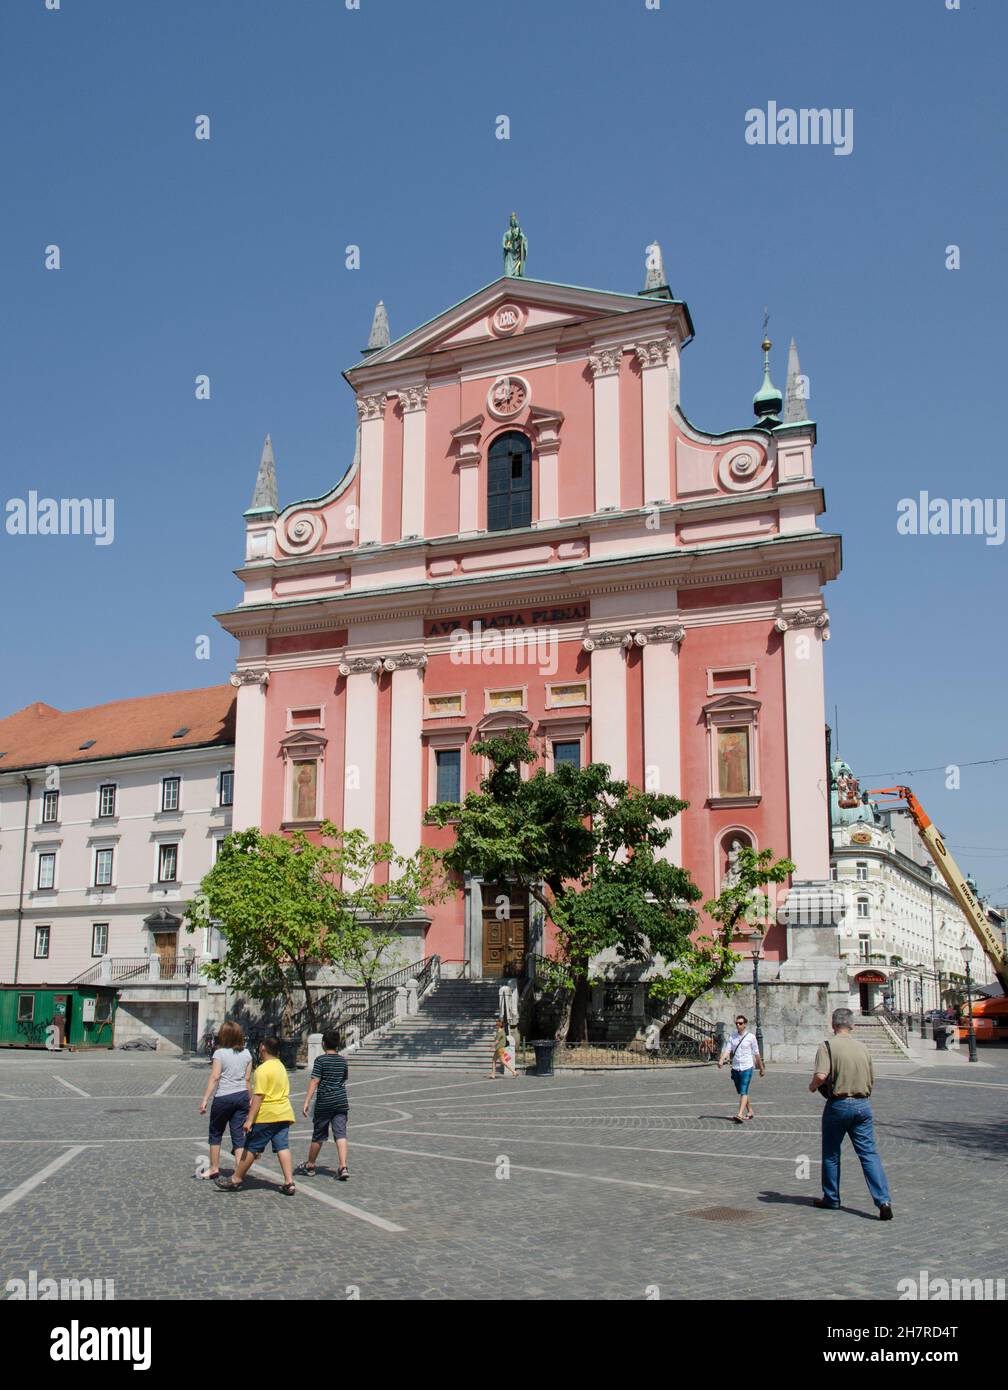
[654, 362]
[250, 737]
[371, 413]
[605, 365]
[802, 633]
[413, 400]
[662, 747]
[361, 744]
[608, 700]
[406, 781]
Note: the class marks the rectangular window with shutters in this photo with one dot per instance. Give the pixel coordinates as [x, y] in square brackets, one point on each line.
[449, 774]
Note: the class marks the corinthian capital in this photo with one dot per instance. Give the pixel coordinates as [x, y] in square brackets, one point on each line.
[413, 397]
[370, 407]
[655, 353]
[605, 361]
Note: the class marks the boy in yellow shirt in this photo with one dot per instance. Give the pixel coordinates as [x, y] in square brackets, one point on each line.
[269, 1120]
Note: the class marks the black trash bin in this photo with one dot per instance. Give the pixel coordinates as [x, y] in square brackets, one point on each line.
[544, 1049]
[943, 1035]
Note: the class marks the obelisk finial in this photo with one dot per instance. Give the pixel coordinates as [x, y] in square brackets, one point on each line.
[265, 498]
[796, 392]
[380, 335]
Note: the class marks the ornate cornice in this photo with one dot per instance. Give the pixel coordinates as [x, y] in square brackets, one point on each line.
[605, 361]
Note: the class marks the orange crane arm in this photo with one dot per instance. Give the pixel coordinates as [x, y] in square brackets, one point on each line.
[956, 880]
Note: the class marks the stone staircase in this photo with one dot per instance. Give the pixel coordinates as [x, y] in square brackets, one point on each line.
[878, 1040]
[454, 1027]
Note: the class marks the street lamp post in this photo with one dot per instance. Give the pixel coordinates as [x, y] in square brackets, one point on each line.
[188, 953]
[966, 951]
[757, 942]
[920, 994]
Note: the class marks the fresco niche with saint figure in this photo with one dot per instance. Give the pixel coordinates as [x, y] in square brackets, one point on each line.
[733, 762]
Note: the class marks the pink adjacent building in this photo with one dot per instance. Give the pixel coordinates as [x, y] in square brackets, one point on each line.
[533, 533]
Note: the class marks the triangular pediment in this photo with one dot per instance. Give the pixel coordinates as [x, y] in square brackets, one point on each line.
[508, 308]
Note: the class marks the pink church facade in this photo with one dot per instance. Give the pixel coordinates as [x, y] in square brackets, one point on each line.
[533, 533]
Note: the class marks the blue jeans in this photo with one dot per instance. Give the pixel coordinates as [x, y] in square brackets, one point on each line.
[853, 1117]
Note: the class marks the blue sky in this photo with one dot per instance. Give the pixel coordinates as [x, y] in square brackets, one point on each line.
[376, 127]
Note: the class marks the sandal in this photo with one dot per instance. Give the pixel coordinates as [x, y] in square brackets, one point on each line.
[738, 1119]
[344, 1175]
[226, 1185]
[304, 1168]
[207, 1176]
[288, 1189]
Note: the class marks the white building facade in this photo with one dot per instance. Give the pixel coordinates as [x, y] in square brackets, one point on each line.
[902, 928]
[109, 819]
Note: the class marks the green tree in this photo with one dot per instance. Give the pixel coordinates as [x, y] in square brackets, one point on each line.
[586, 847]
[410, 883]
[285, 904]
[708, 962]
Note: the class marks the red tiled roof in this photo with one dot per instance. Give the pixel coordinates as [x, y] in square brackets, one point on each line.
[39, 735]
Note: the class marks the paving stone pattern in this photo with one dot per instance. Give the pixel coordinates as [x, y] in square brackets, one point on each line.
[612, 1181]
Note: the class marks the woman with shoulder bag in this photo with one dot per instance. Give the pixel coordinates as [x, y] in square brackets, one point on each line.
[742, 1052]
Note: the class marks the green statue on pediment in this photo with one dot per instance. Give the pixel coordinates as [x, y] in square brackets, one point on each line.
[515, 248]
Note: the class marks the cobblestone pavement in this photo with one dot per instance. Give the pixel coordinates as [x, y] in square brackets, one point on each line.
[580, 1186]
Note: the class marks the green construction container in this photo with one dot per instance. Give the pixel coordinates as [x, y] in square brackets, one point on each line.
[84, 1015]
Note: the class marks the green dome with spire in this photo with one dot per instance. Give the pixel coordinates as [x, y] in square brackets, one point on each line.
[768, 402]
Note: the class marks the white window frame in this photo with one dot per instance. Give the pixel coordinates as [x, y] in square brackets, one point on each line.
[47, 953]
[225, 772]
[863, 902]
[430, 713]
[50, 820]
[40, 855]
[439, 742]
[748, 689]
[163, 845]
[171, 810]
[858, 875]
[114, 813]
[521, 690]
[99, 850]
[95, 927]
[553, 703]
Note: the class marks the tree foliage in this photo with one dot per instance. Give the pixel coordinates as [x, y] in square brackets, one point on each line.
[708, 962]
[285, 904]
[587, 847]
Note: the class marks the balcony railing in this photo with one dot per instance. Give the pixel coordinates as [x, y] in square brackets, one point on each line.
[126, 970]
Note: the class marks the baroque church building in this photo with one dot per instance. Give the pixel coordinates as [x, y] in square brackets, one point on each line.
[533, 533]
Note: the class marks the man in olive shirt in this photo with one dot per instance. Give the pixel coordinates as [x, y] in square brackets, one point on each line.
[843, 1069]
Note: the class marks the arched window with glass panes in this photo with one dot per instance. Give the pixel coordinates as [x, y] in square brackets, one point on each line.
[509, 482]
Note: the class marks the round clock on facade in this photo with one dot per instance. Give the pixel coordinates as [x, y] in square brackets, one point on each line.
[507, 396]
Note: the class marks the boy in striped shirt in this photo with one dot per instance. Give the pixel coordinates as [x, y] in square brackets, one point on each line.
[328, 1080]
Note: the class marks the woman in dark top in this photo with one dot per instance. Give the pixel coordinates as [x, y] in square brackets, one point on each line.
[328, 1078]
